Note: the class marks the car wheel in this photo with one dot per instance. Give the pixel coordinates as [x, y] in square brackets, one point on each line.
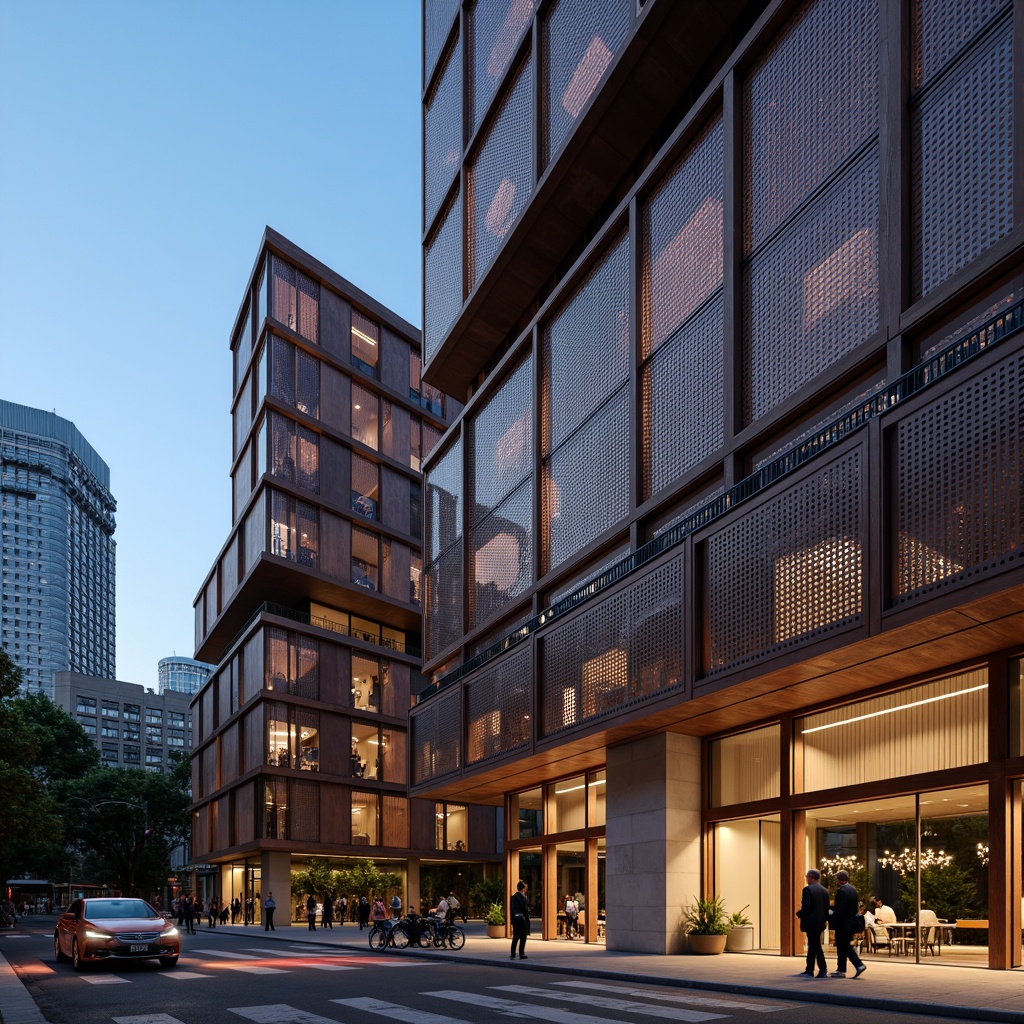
[76, 958]
[168, 961]
[58, 954]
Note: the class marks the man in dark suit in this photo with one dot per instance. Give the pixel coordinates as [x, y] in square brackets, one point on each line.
[843, 913]
[813, 914]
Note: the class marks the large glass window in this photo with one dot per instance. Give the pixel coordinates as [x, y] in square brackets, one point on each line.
[294, 529]
[745, 767]
[365, 491]
[365, 407]
[365, 343]
[365, 559]
[293, 736]
[568, 805]
[366, 753]
[366, 683]
[292, 663]
[452, 827]
[365, 819]
[528, 812]
[294, 299]
[294, 453]
[294, 377]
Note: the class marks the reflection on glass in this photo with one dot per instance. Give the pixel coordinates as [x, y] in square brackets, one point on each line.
[365, 343]
[530, 808]
[364, 559]
[365, 825]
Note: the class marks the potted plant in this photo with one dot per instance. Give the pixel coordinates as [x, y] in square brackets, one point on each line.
[706, 924]
[741, 932]
[495, 920]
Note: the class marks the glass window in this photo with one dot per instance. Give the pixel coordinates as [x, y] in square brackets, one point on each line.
[1016, 683]
[111, 710]
[365, 559]
[597, 791]
[86, 706]
[131, 732]
[416, 580]
[745, 767]
[294, 529]
[568, 805]
[528, 808]
[366, 683]
[293, 737]
[294, 377]
[176, 718]
[365, 343]
[365, 493]
[295, 299]
[154, 734]
[365, 817]
[366, 751]
[132, 713]
[90, 728]
[109, 731]
[155, 715]
[364, 416]
[294, 453]
[292, 663]
[452, 829]
[415, 443]
[416, 510]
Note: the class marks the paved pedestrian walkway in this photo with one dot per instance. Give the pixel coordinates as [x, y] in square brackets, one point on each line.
[929, 988]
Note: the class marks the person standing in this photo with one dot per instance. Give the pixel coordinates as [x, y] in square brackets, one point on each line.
[311, 912]
[813, 914]
[843, 912]
[269, 906]
[396, 906]
[572, 912]
[453, 906]
[342, 908]
[364, 912]
[519, 911]
[327, 917]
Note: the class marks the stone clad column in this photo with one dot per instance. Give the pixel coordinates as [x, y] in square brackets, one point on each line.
[276, 878]
[653, 847]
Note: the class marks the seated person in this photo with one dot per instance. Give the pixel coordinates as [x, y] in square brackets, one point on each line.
[883, 914]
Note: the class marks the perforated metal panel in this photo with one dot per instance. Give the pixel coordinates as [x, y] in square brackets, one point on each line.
[309, 307]
[437, 737]
[683, 399]
[431, 435]
[442, 605]
[303, 811]
[442, 133]
[962, 163]
[940, 28]
[242, 345]
[618, 653]
[442, 268]
[294, 453]
[811, 296]
[959, 478]
[787, 572]
[809, 102]
[294, 377]
[395, 816]
[444, 502]
[307, 384]
[283, 307]
[438, 17]
[365, 487]
[500, 178]
[496, 28]
[499, 631]
[501, 553]
[498, 708]
[579, 40]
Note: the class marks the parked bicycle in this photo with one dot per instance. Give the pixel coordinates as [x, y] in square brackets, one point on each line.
[386, 934]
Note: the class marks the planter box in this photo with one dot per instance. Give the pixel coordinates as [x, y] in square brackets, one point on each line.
[706, 945]
[495, 931]
[740, 938]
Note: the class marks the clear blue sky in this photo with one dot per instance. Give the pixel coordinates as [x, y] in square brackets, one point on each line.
[143, 148]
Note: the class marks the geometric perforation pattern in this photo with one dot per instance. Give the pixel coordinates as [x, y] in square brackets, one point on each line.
[443, 269]
[619, 653]
[787, 572]
[442, 134]
[438, 16]
[444, 494]
[501, 549]
[959, 475]
[442, 601]
[498, 708]
[962, 164]
[809, 102]
[939, 28]
[495, 30]
[436, 736]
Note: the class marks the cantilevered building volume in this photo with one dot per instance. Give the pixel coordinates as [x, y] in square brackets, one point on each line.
[312, 609]
[57, 539]
[723, 567]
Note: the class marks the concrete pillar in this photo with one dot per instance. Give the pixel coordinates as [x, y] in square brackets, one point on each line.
[412, 885]
[276, 878]
[654, 847]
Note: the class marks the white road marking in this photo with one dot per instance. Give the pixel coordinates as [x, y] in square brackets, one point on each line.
[147, 1018]
[333, 967]
[256, 969]
[405, 1014]
[689, 998]
[280, 1013]
[15, 935]
[268, 951]
[105, 979]
[179, 975]
[224, 953]
[608, 1003]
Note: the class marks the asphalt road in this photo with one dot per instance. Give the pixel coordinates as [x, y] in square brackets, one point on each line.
[225, 977]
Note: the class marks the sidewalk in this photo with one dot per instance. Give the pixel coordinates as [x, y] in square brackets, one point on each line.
[940, 991]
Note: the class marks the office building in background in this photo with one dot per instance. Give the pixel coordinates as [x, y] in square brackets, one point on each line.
[182, 675]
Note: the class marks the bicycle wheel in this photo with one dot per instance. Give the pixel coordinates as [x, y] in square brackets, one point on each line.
[428, 937]
[378, 938]
[456, 937]
[399, 937]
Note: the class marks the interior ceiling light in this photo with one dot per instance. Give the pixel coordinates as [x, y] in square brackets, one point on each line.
[892, 711]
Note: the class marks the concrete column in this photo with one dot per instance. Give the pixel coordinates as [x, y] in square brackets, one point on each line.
[276, 878]
[412, 885]
[654, 846]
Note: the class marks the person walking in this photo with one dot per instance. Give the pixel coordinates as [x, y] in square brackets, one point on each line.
[342, 909]
[396, 906]
[327, 916]
[813, 914]
[572, 911]
[269, 906]
[311, 912]
[844, 911]
[364, 912]
[519, 911]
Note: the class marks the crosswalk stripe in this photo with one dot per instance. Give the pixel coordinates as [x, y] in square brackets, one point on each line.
[147, 1018]
[180, 975]
[405, 1014]
[225, 953]
[270, 951]
[333, 967]
[677, 997]
[105, 979]
[608, 1003]
[280, 1013]
[256, 969]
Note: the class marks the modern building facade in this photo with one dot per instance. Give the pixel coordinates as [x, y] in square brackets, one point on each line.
[132, 726]
[312, 609]
[723, 567]
[182, 675]
[57, 608]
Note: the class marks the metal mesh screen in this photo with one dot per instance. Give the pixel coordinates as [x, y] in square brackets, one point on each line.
[438, 16]
[242, 344]
[283, 306]
[442, 268]
[431, 435]
[498, 708]
[809, 102]
[309, 307]
[444, 502]
[294, 377]
[788, 571]
[959, 479]
[294, 453]
[436, 737]
[616, 654]
[442, 605]
[365, 487]
[939, 28]
[683, 399]
[242, 481]
[307, 384]
[811, 296]
[501, 553]
[442, 134]
[962, 163]
[578, 43]
[242, 414]
[500, 178]
[303, 811]
[495, 31]
[396, 821]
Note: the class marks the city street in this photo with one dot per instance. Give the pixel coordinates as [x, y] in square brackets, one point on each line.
[230, 975]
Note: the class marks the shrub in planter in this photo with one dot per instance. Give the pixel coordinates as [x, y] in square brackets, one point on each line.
[741, 932]
[706, 924]
[495, 920]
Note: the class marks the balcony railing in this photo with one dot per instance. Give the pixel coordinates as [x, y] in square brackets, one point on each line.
[961, 351]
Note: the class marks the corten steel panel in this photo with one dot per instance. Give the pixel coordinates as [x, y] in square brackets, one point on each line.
[495, 29]
[394, 361]
[395, 821]
[395, 757]
[398, 448]
[395, 572]
[241, 344]
[243, 819]
[483, 829]
[958, 475]
[789, 571]
[396, 696]
[335, 814]
[442, 134]
[438, 17]
[442, 602]
[811, 294]
[394, 500]
[939, 30]
[334, 756]
[793, 138]
[436, 731]
[303, 811]
[336, 471]
[442, 266]
[960, 207]
[253, 672]
[500, 176]
[335, 390]
[241, 415]
[498, 705]
[335, 325]
[422, 834]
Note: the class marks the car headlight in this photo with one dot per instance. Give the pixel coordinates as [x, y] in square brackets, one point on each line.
[169, 932]
[90, 934]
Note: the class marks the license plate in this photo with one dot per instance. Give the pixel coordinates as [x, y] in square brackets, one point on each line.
[139, 948]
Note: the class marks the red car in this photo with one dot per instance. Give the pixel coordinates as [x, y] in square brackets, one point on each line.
[91, 930]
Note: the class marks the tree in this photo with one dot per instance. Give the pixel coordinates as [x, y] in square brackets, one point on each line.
[63, 750]
[318, 878]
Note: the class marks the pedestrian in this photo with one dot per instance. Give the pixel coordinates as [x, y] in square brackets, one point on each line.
[311, 912]
[212, 912]
[519, 912]
[844, 910]
[190, 912]
[396, 906]
[269, 906]
[342, 908]
[379, 912]
[453, 905]
[250, 910]
[180, 904]
[572, 911]
[236, 910]
[327, 916]
[364, 912]
[813, 914]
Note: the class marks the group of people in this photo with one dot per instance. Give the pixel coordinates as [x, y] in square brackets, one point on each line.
[846, 917]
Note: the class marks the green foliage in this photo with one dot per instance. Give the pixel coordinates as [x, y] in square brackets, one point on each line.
[706, 916]
[738, 918]
[495, 914]
[364, 878]
[318, 878]
[63, 750]
[949, 891]
[486, 892]
[860, 877]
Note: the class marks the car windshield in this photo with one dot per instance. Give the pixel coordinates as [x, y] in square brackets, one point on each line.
[98, 910]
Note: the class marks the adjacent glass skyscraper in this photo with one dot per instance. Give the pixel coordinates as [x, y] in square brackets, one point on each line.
[183, 675]
[57, 549]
